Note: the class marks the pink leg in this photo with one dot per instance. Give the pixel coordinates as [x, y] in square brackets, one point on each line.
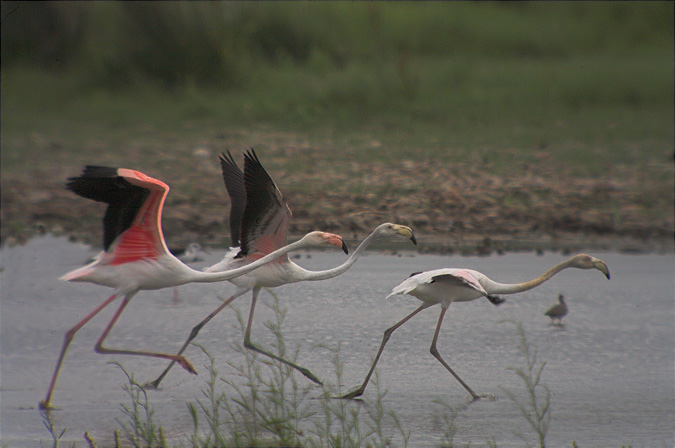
[193, 334]
[437, 355]
[249, 345]
[387, 334]
[100, 349]
[70, 334]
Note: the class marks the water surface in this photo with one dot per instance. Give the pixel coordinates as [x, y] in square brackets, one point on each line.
[609, 369]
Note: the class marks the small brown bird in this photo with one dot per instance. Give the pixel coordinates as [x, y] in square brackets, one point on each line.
[558, 311]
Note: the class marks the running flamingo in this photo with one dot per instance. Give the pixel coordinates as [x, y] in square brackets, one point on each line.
[135, 256]
[259, 219]
[446, 286]
[191, 254]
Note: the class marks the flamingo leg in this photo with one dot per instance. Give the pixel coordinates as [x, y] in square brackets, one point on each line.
[434, 351]
[70, 335]
[103, 350]
[249, 345]
[387, 334]
[193, 334]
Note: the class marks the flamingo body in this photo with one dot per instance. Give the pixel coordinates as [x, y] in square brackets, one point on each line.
[142, 274]
[444, 286]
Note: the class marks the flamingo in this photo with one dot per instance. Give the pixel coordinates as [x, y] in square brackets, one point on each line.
[557, 311]
[259, 219]
[191, 254]
[135, 256]
[445, 286]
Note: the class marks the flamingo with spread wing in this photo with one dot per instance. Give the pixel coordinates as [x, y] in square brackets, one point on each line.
[135, 256]
[259, 219]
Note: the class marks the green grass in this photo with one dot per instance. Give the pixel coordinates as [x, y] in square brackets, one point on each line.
[536, 408]
[589, 114]
[591, 83]
[332, 92]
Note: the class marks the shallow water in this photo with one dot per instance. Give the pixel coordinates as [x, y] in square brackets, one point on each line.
[609, 368]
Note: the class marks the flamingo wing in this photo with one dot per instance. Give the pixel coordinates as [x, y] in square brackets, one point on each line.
[412, 282]
[234, 183]
[459, 278]
[465, 278]
[131, 225]
[264, 226]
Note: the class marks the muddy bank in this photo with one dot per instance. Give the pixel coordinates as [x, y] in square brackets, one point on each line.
[452, 209]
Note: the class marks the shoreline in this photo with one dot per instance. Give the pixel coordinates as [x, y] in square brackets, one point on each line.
[436, 244]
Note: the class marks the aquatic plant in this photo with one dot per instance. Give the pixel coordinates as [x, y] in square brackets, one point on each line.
[56, 436]
[262, 404]
[537, 409]
[140, 427]
[257, 406]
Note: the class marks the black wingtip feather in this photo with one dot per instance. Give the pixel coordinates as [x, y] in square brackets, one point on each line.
[90, 172]
[252, 155]
[263, 202]
[233, 177]
[103, 184]
[226, 159]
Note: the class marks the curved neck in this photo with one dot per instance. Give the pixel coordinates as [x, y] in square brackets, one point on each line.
[493, 287]
[334, 272]
[208, 277]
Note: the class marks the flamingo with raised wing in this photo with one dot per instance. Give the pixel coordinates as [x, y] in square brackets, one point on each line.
[259, 219]
[445, 286]
[135, 256]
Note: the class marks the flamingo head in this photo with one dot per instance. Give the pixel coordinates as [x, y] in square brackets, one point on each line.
[397, 230]
[318, 239]
[583, 261]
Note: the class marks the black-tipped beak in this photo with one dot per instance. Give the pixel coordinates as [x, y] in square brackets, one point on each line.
[413, 239]
[607, 274]
[344, 248]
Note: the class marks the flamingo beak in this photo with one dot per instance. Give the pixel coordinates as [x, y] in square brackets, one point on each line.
[406, 232]
[601, 266]
[344, 248]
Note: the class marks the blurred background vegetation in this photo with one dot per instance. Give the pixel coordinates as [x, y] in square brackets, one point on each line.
[578, 89]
